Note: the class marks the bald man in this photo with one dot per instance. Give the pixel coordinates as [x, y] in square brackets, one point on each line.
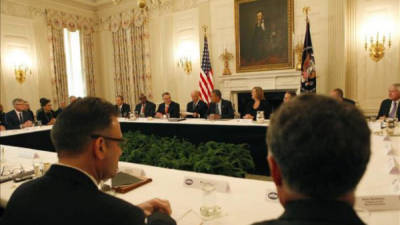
[145, 108]
[197, 106]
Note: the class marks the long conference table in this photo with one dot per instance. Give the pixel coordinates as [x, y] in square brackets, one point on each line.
[195, 131]
[246, 202]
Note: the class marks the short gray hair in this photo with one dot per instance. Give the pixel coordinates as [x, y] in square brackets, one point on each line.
[396, 85]
[14, 102]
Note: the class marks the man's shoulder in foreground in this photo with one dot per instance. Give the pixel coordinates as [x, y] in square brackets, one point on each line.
[62, 200]
[316, 212]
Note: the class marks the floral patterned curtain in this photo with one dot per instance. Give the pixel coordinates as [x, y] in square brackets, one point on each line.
[131, 44]
[58, 71]
[122, 66]
[88, 46]
[141, 60]
[56, 22]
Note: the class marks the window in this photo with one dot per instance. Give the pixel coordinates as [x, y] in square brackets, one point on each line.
[75, 74]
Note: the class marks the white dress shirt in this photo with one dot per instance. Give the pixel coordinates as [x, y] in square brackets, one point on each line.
[397, 107]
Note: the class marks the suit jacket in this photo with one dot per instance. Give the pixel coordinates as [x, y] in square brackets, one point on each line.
[347, 100]
[385, 108]
[314, 212]
[201, 108]
[45, 117]
[12, 121]
[264, 106]
[58, 112]
[31, 115]
[67, 196]
[149, 109]
[125, 110]
[174, 111]
[2, 119]
[226, 109]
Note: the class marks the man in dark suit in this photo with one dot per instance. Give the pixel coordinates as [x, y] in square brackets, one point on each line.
[168, 107]
[337, 94]
[18, 118]
[2, 118]
[315, 169]
[145, 108]
[29, 111]
[87, 139]
[391, 107]
[122, 108]
[219, 108]
[197, 106]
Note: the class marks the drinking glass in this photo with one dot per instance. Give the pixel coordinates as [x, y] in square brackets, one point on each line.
[209, 207]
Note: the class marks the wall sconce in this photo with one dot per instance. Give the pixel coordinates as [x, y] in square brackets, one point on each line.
[184, 55]
[21, 65]
[20, 73]
[186, 64]
[377, 47]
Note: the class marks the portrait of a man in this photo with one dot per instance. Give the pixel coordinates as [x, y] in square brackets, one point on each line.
[263, 39]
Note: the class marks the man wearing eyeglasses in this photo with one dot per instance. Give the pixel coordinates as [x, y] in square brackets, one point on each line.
[18, 118]
[87, 138]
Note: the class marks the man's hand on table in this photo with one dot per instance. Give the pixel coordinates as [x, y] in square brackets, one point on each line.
[156, 205]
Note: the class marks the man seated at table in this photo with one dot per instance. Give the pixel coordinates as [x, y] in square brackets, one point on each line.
[2, 118]
[122, 108]
[60, 108]
[145, 108]
[18, 118]
[72, 99]
[337, 94]
[289, 95]
[391, 107]
[168, 107]
[219, 108]
[197, 106]
[87, 138]
[28, 109]
[316, 164]
[46, 115]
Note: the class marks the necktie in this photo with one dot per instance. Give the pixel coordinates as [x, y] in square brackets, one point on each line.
[194, 106]
[20, 117]
[142, 111]
[217, 110]
[166, 108]
[392, 113]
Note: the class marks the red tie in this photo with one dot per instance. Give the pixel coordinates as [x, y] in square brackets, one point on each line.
[143, 108]
[166, 108]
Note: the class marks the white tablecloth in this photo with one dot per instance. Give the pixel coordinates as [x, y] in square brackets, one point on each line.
[229, 122]
[246, 203]
[28, 130]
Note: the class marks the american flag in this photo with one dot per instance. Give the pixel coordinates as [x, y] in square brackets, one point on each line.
[206, 75]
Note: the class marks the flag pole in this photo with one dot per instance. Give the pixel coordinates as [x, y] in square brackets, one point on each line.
[307, 10]
[205, 27]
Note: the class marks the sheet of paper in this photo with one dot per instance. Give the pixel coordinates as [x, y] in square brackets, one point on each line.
[378, 203]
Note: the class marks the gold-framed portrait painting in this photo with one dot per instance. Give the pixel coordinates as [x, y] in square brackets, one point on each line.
[264, 32]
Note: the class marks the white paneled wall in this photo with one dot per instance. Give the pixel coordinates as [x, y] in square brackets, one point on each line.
[17, 35]
[374, 79]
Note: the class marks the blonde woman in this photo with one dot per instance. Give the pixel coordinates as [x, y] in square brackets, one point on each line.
[258, 103]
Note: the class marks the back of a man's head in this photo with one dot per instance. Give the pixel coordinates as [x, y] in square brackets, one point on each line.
[321, 146]
[75, 125]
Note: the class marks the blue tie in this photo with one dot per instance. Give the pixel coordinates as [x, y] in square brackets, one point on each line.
[392, 113]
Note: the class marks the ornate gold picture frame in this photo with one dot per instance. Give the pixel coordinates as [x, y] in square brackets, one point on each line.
[264, 32]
